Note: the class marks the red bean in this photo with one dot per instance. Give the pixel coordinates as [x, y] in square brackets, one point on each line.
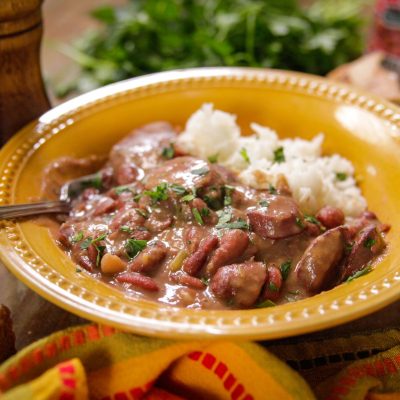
[188, 280]
[331, 217]
[136, 279]
[194, 262]
[273, 284]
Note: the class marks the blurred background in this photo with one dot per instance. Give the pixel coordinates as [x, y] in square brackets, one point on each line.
[91, 43]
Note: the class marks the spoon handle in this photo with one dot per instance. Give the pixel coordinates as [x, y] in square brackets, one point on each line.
[25, 210]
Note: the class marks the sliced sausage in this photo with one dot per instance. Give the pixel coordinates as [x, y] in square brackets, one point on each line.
[282, 218]
[367, 245]
[273, 284]
[318, 267]
[149, 258]
[239, 284]
[232, 245]
[195, 262]
[136, 279]
[330, 217]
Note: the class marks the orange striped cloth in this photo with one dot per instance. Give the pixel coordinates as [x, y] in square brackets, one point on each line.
[98, 362]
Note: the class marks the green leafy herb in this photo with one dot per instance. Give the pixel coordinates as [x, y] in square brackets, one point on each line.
[264, 203]
[178, 189]
[197, 216]
[168, 152]
[362, 272]
[213, 159]
[311, 219]
[273, 287]
[96, 182]
[341, 176]
[348, 247]
[244, 154]
[205, 212]
[142, 213]
[265, 304]
[369, 242]
[125, 228]
[272, 189]
[239, 224]
[77, 237]
[158, 193]
[285, 269]
[134, 247]
[99, 238]
[86, 243]
[200, 171]
[224, 216]
[299, 222]
[100, 252]
[205, 280]
[228, 195]
[279, 155]
[188, 197]
[121, 189]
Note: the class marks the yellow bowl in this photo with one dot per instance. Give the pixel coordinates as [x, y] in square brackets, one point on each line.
[358, 126]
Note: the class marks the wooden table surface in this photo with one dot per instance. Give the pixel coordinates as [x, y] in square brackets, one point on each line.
[35, 317]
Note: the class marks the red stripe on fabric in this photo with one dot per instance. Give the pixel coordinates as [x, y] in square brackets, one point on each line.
[340, 390]
[13, 372]
[93, 332]
[66, 396]
[397, 359]
[50, 350]
[121, 396]
[26, 363]
[149, 384]
[237, 392]
[37, 356]
[221, 369]
[347, 381]
[195, 355]
[136, 393]
[390, 366]
[249, 397]
[379, 367]
[369, 370]
[65, 342]
[106, 398]
[208, 360]
[229, 382]
[66, 368]
[79, 337]
[108, 330]
[69, 382]
[332, 397]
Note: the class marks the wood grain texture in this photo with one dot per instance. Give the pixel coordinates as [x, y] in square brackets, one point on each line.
[22, 93]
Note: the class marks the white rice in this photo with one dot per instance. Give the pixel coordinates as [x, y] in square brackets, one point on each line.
[311, 177]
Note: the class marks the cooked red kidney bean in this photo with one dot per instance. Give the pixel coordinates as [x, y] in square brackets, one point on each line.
[136, 279]
[232, 245]
[273, 284]
[149, 258]
[196, 261]
[318, 267]
[330, 217]
[188, 280]
[239, 283]
[280, 219]
[104, 205]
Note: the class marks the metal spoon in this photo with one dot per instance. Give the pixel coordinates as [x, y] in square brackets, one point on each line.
[68, 192]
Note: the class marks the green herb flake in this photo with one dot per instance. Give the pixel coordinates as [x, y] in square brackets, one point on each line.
[272, 189]
[96, 182]
[125, 228]
[362, 272]
[213, 159]
[299, 222]
[142, 213]
[239, 224]
[224, 216]
[86, 243]
[134, 247]
[341, 176]
[273, 287]
[348, 247]
[121, 189]
[369, 242]
[279, 155]
[200, 171]
[78, 270]
[188, 197]
[197, 216]
[311, 219]
[168, 152]
[77, 237]
[158, 193]
[264, 203]
[205, 212]
[178, 189]
[100, 252]
[285, 269]
[99, 238]
[228, 195]
[265, 304]
[244, 154]
[206, 281]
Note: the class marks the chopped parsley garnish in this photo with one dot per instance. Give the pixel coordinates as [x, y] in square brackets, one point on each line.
[273, 287]
[357, 274]
[77, 237]
[101, 237]
[299, 222]
[272, 189]
[96, 182]
[369, 242]
[125, 228]
[266, 303]
[86, 243]
[78, 270]
[244, 154]
[142, 213]
[285, 269]
[213, 159]
[188, 197]
[100, 252]
[197, 216]
[158, 193]
[200, 171]
[121, 189]
[168, 152]
[178, 189]
[341, 176]
[311, 219]
[134, 247]
[264, 203]
[348, 247]
[239, 224]
[279, 155]
[205, 212]
[206, 281]
[227, 197]
[224, 216]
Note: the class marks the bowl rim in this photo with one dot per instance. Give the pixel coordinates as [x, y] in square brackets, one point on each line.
[167, 324]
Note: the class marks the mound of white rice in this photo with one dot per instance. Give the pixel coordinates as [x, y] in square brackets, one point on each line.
[260, 159]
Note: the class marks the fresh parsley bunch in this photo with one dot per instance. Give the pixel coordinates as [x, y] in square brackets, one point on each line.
[154, 35]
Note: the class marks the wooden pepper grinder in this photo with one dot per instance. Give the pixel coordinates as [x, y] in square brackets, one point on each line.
[22, 93]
